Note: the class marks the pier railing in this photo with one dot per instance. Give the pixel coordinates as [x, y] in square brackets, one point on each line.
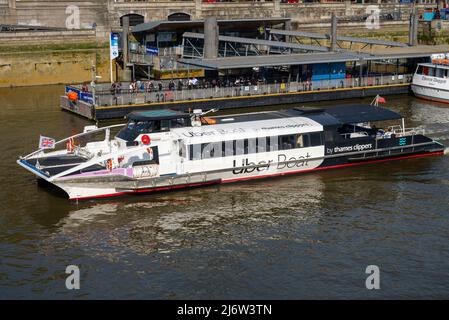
[125, 96]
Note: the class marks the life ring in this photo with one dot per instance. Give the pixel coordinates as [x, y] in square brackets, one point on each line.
[70, 145]
[72, 96]
[145, 139]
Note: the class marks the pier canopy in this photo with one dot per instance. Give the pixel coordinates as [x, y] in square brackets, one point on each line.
[261, 42]
[362, 113]
[313, 35]
[270, 60]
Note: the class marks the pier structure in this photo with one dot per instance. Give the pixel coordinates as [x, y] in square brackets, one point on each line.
[274, 67]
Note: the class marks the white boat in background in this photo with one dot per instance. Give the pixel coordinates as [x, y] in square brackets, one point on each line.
[165, 149]
[431, 80]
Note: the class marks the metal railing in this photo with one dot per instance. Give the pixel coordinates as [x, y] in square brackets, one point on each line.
[125, 96]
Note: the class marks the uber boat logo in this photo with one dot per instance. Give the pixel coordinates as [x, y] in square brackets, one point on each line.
[283, 162]
[373, 280]
[73, 280]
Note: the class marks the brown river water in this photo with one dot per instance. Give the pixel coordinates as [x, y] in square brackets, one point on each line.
[298, 237]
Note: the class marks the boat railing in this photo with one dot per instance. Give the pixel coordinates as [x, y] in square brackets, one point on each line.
[356, 134]
[399, 131]
[78, 149]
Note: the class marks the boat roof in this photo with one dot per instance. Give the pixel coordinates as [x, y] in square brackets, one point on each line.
[163, 114]
[359, 113]
[343, 114]
[434, 65]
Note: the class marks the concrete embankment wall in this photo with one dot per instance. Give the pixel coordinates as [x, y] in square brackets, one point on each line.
[52, 67]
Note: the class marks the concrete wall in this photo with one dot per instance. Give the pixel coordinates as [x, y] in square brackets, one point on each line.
[106, 13]
[52, 67]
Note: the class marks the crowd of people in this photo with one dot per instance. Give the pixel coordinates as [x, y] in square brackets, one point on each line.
[139, 86]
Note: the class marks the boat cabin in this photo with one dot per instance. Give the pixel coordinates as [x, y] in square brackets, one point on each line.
[154, 121]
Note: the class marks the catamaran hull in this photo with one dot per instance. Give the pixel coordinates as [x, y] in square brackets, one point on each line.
[82, 190]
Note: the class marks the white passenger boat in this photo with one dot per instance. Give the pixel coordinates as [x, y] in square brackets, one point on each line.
[164, 149]
[431, 80]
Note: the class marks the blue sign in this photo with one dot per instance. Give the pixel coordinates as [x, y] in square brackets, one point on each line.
[83, 96]
[402, 141]
[114, 45]
[152, 50]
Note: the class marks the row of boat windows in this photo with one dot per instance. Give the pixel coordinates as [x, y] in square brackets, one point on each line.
[255, 145]
[433, 72]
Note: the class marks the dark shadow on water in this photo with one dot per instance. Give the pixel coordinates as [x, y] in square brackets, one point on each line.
[51, 188]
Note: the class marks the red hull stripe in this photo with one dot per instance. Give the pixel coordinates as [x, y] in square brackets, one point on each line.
[258, 177]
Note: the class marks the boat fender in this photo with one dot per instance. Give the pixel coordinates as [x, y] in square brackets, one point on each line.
[109, 165]
[70, 146]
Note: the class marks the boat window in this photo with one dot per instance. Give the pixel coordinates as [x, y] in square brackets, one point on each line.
[239, 147]
[262, 144]
[165, 125]
[134, 128]
[431, 72]
[287, 142]
[272, 143]
[423, 70]
[211, 150]
[195, 152]
[300, 141]
[251, 146]
[315, 139]
[439, 73]
[178, 123]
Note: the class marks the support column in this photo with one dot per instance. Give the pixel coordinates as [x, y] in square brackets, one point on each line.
[333, 32]
[210, 38]
[126, 72]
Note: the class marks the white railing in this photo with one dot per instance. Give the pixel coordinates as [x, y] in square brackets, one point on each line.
[79, 135]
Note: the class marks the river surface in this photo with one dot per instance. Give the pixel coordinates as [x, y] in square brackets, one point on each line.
[299, 237]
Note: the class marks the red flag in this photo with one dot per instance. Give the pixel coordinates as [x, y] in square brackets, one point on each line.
[381, 99]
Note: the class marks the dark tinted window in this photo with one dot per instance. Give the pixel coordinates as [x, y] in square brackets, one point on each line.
[315, 139]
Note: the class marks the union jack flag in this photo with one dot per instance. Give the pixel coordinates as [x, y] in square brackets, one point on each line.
[46, 143]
